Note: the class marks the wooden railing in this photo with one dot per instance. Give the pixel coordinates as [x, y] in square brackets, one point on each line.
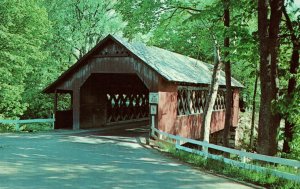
[130, 106]
[242, 154]
[18, 122]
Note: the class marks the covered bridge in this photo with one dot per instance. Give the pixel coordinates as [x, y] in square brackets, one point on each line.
[112, 82]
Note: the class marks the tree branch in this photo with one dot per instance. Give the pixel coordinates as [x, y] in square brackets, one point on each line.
[289, 25]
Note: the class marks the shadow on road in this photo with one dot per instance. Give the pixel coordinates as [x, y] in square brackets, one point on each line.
[95, 159]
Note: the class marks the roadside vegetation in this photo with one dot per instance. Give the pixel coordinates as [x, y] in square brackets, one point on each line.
[25, 128]
[263, 179]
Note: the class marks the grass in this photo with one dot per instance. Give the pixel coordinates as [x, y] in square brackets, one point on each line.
[32, 127]
[6, 128]
[259, 178]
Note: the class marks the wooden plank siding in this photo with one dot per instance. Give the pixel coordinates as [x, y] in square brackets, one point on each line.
[113, 64]
[189, 126]
[236, 107]
[157, 70]
[76, 105]
[101, 64]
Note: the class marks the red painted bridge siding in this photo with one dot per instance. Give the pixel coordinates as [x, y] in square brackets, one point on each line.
[236, 108]
[167, 111]
[167, 106]
[189, 126]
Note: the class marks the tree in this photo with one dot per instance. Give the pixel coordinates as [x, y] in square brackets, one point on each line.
[253, 112]
[268, 30]
[76, 26]
[21, 50]
[212, 95]
[228, 111]
[40, 40]
[80, 25]
[292, 82]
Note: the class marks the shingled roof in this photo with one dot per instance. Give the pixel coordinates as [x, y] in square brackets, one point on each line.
[172, 66]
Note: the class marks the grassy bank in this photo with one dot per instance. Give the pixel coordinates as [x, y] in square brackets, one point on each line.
[32, 127]
[218, 167]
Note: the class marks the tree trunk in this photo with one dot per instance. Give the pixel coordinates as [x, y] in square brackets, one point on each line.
[228, 111]
[294, 66]
[268, 31]
[253, 110]
[211, 97]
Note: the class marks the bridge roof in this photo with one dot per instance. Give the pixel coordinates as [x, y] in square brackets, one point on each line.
[172, 66]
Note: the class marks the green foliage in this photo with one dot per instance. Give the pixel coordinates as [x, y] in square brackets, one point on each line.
[174, 25]
[189, 38]
[7, 128]
[293, 113]
[36, 127]
[40, 40]
[289, 104]
[80, 25]
[23, 32]
[32, 127]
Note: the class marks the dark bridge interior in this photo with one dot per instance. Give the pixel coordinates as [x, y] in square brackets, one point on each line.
[112, 98]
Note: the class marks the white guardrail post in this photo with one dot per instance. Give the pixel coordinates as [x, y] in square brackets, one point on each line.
[177, 140]
[53, 124]
[205, 150]
[152, 125]
[243, 158]
[17, 127]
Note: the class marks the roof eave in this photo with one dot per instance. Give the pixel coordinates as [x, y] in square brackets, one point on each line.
[54, 84]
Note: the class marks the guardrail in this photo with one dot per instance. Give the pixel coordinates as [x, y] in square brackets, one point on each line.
[18, 122]
[242, 154]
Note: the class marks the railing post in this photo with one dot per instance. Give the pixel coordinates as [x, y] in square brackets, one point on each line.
[55, 101]
[243, 158]
[17, 127]
[177, 143]
[205, 150]
[152, 125]
[53, 123]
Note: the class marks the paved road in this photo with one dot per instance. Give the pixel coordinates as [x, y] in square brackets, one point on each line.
[64, 159]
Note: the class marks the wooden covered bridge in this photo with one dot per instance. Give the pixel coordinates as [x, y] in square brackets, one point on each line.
[112, 82]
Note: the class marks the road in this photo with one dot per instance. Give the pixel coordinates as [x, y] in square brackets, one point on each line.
[102, 159]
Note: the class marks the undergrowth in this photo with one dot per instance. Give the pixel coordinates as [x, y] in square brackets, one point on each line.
[215, 166]
[32, 127]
